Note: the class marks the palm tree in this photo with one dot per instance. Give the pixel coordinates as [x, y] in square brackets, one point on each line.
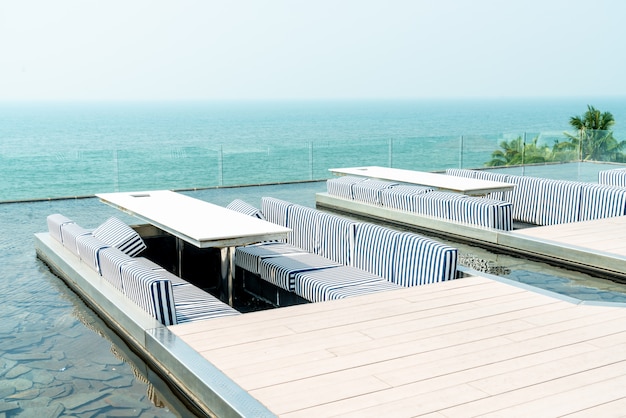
[594, 140]
[516, 152]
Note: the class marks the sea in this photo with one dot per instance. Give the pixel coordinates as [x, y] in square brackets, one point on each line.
[51, 150]
[58, 358]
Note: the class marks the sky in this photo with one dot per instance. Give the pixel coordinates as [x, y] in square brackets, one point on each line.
[340, 49]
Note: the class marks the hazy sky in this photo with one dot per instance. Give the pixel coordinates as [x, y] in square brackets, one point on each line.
[267, 49]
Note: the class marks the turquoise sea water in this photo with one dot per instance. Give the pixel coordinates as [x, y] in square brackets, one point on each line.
[57, 358]
[76, 149]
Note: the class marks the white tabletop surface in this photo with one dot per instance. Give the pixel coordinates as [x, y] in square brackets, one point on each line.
[200, 223]
[436, 180]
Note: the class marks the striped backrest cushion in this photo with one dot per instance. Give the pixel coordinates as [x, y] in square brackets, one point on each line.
[335, 238]
[524, 197]
[119, 235]
[275, 210]
[342, 186]
[150, 291]
[303, 223]
[374, 248]
[615, 177]
[55, 224]
[436, 204]
[89, 248]
[111, 262]
[400, 197]
[461, 172]
[558, 202]
[240, 206]
[419, 260]
[368, 191]
[70, 232]
[480, 211]
[600, 201]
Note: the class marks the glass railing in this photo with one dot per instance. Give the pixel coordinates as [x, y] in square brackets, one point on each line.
[41, 175]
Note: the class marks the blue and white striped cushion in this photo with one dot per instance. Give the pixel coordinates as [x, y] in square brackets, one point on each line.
[248, 257]
[368, 191]
[615, 177]
[462, 172]
[194, 304]
[436, 204]
[150, 291]
[524, 197]
[111, 262]
[240, 206]
[600, 201]
[335, 238]
[480, 211]
[70, 232]
[502, 178]
[374, 247]
[281, 270]
[419, 260]
[117, 234]
[55, 225]
[315, 285]
[558, 202]
[275, 210]
[342, 186]
[89, 248]
[401, 197]
[303, 223]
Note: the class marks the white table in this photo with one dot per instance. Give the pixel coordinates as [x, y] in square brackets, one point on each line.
[457, 184]
[197, 222]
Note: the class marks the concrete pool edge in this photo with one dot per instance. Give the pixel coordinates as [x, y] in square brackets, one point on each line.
[205, 388]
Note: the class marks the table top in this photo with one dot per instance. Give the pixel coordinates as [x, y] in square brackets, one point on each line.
[198, 222]
[439, 181]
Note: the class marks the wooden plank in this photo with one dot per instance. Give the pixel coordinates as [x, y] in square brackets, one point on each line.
[471, 346]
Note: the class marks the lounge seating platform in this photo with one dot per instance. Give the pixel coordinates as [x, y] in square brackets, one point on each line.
[594, 245]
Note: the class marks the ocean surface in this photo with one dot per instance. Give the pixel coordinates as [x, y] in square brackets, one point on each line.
[57, 358]
[50, 150]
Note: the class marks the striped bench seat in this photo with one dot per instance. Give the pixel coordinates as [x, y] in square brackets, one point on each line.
[249, 256]
[337, 283]
[281, 270]
[194, 304]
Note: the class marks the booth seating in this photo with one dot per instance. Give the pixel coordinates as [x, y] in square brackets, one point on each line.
[113, 255]
[614, 177]
[543, 201]
[329, 257]
[425, 201]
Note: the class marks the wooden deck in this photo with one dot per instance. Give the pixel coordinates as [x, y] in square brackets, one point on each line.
[468, 347]
[607, 235]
